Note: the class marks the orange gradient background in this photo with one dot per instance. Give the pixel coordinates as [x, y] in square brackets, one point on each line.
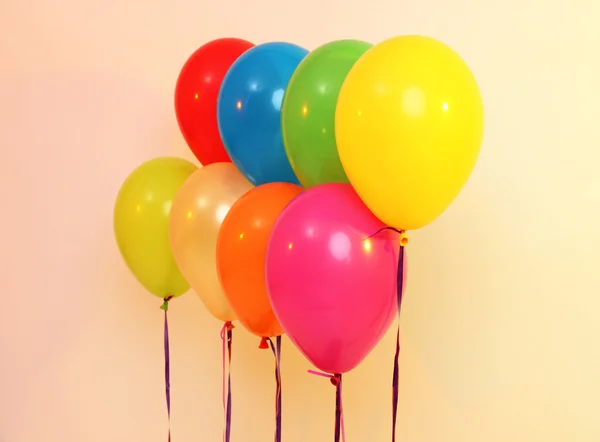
[500, 322]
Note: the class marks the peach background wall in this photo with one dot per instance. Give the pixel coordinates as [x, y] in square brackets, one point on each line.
[500, 325]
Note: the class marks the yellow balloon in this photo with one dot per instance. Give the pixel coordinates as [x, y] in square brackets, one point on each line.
[141, 224]
[409, 127]
[196, 216]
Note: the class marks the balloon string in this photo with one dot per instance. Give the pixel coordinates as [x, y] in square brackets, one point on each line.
[224, 368]
[403, 240]
[395, 376]
[276, 349]
[165, 307]
[336, 380]
[226, 339]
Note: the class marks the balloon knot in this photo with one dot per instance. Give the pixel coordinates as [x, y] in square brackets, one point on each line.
[165, 304]
[227, 327]
[335, 379]
[403, 239]
[264, 344]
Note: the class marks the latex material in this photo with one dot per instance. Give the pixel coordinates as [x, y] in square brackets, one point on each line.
[196, 216]
[333, 289]
[196, 94]
[409, 127]
[241, 253]
[249, 111]
[308, 113]
[141, 224]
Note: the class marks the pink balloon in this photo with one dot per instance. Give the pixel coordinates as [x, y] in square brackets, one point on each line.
[332, 289]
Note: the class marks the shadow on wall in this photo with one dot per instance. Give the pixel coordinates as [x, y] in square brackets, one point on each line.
[77, 325]
[65, 153]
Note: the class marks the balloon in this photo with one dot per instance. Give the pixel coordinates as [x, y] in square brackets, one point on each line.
[196, 96]
[333, 289]
[141, 224]
[241, 251]
[307, 116]
[409, 127]
[196, 216]
[249, 111]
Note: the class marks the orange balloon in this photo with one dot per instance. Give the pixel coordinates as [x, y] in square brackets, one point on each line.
[241, 251]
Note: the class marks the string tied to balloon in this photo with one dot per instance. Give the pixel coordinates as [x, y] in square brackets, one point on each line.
[165, 307]
[400, 281]
[336, 381]
[276, 349]
[226, 339]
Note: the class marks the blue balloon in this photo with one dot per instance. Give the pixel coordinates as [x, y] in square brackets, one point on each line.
[249, 111]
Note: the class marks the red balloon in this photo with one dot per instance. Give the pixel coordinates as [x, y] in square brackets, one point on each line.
[196, 95]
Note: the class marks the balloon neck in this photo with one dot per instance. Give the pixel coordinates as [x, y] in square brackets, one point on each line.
[264, 344]
[403, 239]
[335, 379]
[165, 304]
[229, 326]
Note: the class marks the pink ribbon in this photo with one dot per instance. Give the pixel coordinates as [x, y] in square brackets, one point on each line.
[336, 380]
[226, 338]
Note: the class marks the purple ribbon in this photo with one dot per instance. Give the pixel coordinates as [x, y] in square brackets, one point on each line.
[336, 380]
[165, 307]
[276, 349]
[339, 417]
[399, 286]
[226, 337]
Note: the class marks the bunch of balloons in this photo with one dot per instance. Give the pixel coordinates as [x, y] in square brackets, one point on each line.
[306, 155]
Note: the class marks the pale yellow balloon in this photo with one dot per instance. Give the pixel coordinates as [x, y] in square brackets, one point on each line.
[196, 216]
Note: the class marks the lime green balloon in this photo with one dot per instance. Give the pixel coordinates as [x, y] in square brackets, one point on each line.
[308, 111]
[141, 224]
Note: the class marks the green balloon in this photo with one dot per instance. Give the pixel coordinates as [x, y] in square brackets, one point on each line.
[141, 224]
[308, 111]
